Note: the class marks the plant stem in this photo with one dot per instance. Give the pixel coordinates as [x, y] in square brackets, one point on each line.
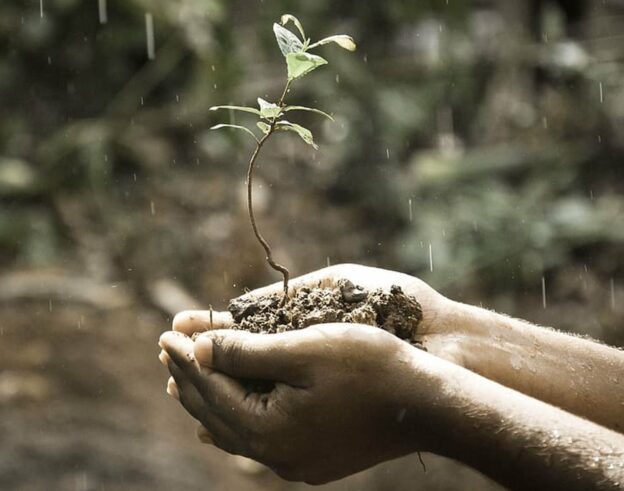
[265, 245]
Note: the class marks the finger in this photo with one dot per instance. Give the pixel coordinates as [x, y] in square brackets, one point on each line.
[222, 394]
[180, 349]
[172, 388]
[188, 395]
[192, 321]
[164, 357]
[207, 410]
[204, 435]
[278, 357]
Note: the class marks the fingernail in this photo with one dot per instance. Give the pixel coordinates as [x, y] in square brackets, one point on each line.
[164, 358]
[161, 340]
[172, 389]
[166, 338]
[203, 351]
[204, 436]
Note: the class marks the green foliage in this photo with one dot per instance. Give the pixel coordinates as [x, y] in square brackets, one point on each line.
[299, 63]
[287, 41]
[268, 110]
[236, 127]
[251, 110]
[309, 109]
[451, 105]
[304, 133]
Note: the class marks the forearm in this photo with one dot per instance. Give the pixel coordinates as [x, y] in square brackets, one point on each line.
[578, 375]
[516, 440]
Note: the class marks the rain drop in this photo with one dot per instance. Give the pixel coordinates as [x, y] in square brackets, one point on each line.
[601, 93]
[149, 29]
[544, 291]
[103, 11]
[431, 257]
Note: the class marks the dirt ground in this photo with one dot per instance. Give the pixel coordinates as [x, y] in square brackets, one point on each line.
[83, 407]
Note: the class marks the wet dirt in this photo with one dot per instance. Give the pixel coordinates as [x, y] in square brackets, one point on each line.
[393, 310]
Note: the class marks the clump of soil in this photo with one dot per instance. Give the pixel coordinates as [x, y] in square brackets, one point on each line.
[393, 311]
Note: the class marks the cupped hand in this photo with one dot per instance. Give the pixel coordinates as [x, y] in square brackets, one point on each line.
[437, 326]
[338, 401]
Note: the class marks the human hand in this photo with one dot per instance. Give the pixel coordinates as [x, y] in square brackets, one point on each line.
[345, 397]
[438, 331]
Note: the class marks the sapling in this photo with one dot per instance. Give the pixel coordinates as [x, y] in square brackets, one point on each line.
[299, 62]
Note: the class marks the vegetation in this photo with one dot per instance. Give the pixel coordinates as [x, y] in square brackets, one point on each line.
[300, 62]
[500, 142]
[488, 133]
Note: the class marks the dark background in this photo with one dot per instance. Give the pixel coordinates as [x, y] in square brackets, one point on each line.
[489, 132]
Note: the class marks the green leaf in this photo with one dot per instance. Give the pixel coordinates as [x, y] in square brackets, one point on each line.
[252, 110]
[302, 108]
[287, 41]
[304, 133]
[265, 128]
[236, 127]
[341, 40]
[300, 64]
[268, 110]
[291, 18]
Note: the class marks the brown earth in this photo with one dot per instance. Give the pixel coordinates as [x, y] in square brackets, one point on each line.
[393, 311]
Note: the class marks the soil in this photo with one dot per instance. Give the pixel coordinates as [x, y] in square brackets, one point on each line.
[394, 311]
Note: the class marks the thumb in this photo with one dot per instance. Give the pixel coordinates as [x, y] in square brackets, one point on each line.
[190, 322]
[240, 354]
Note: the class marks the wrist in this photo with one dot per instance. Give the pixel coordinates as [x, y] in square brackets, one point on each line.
[425, 404]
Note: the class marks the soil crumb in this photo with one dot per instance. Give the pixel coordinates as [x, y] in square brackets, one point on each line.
[394, 311]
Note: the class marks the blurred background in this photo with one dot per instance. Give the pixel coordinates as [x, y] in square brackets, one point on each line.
[478, 145]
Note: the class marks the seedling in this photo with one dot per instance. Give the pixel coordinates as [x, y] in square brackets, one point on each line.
[299, 62]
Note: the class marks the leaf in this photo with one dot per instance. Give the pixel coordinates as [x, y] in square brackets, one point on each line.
[300, 64]
[304, 133]
[268, 110]
[302, 108]
[236, 127]
[287, 41]
[252, 110]
[265, 128]
[341, 40]
[291, 18]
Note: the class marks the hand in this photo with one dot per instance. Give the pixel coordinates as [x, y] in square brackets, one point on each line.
[339, 403]
[437, 332]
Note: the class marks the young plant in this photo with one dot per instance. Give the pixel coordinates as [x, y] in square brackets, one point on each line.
[299, 62]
